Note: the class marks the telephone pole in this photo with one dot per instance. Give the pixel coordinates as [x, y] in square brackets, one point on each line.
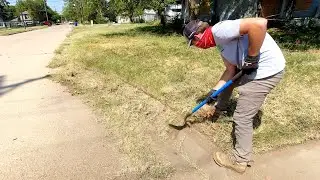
[45, 8]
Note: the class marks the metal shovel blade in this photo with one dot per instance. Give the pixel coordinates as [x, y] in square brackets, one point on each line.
[185, 123]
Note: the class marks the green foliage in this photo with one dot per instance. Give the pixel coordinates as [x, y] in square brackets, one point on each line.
[296, 38]
[159, 6]
[54, 16]
[7, 12]
[36, 9]
[133, 8]
[85, 10]
[130, 8]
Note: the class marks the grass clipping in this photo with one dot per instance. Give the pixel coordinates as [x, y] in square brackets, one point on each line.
[141, 79]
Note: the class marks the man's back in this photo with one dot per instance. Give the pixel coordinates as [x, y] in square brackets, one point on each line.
[234, 48]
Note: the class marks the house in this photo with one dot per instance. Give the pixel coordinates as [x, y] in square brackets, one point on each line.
[149, 15]
[26, 18]
[217, 10]
[122, 19]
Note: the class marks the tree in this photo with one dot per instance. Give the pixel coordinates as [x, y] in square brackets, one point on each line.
[133, 8]
[85, 10]
[130, 8]
[36, 9]
[2, 5]
[53, 15]
[159, 6]
[7, 12]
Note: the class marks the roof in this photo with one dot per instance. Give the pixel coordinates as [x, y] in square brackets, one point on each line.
[25, 13]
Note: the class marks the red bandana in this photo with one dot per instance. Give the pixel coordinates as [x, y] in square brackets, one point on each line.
[206, 40]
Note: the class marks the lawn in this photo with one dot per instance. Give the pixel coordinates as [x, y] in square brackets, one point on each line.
[10, 31]
[142, 77]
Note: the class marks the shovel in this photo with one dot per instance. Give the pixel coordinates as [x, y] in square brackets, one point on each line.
[213, 95]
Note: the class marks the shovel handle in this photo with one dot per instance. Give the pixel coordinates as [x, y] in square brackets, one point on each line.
[217, 92]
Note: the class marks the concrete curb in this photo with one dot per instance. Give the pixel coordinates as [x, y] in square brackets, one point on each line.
[197, 150]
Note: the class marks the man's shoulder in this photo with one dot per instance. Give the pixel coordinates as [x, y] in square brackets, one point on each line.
[227, 21]
[225, 31]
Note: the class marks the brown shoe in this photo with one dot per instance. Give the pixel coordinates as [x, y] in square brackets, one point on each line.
[224, 160]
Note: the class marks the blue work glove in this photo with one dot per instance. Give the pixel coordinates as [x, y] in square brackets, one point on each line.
[250, 64]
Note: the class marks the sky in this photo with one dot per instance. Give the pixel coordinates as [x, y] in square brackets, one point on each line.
[53, 4]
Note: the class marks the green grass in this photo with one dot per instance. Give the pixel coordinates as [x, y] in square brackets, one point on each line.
[142, 77]
[11, 31]
[297, 39]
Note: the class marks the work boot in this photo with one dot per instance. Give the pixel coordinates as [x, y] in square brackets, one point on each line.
[226, 161]
[209, 112]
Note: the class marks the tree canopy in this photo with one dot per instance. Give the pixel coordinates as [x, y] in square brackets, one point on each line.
[7, 12]
[86, 10]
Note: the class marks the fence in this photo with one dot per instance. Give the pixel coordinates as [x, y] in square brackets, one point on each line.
[17, 24]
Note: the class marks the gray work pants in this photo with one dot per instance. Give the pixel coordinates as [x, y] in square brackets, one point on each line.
[252, 94]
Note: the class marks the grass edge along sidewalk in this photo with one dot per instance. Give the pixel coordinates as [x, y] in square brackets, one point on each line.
[103, 62]
[11, 31]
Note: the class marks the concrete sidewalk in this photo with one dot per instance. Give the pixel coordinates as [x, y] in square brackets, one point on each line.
[45, 133]
[293, 162]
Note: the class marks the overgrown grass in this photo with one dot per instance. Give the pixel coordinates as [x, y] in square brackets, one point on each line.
[142, 79]
[297, 38]
[11, 31]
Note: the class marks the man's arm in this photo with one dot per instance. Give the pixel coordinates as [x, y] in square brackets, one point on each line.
[256, 28]
[228, 74]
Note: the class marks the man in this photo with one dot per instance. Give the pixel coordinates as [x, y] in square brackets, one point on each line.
[244, 45]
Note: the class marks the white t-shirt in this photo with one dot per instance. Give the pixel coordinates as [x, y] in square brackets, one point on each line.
[234, 48]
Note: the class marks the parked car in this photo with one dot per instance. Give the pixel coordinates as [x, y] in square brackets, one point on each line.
[48, 23]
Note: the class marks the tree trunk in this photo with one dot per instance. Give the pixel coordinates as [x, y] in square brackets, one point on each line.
[131, 17]
[162, 18]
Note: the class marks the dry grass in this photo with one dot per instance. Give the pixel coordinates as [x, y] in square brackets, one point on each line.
[142, 79]
[11, 31]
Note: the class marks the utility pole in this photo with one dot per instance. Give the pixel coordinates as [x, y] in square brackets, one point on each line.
[45, 8]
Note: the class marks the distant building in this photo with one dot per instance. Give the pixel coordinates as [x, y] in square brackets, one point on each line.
[25, 17]
[123, 19]
[149, 15]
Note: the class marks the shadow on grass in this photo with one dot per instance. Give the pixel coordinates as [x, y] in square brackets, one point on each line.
[297, 38]
[160, 30]
[157, 30]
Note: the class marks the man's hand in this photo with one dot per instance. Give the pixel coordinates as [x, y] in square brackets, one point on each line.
[250, 64]
[211, 99]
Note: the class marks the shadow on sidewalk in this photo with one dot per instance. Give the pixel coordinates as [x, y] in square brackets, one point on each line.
[8, 88]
